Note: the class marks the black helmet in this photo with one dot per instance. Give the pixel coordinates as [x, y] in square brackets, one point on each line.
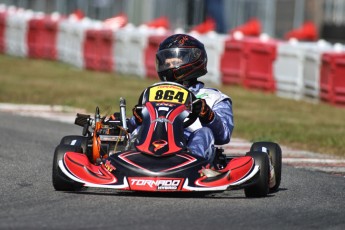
[181, 58]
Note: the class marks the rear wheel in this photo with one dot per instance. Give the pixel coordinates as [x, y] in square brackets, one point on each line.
[260, 188]
[60, 181]
[275, 154]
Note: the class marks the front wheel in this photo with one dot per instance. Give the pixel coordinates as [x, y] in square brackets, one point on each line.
[75, 140]
[60, 181]
[261, 186]
[80, 142]
[275, 154]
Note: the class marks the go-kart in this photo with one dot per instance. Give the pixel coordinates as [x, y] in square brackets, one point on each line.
[157, 159]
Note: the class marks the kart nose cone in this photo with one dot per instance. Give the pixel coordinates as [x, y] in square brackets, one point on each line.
[78, 164]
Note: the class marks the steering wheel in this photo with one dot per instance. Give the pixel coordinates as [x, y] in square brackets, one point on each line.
[192, 116]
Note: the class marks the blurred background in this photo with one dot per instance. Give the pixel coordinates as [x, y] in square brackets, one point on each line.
[277, 17]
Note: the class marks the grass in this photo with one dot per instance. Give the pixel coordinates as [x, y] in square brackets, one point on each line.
[258, 116]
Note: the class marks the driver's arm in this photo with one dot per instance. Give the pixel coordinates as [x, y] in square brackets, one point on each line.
[136, 119]
[222, 124]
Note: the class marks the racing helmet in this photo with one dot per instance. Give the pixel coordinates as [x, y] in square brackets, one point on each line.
[181, 58]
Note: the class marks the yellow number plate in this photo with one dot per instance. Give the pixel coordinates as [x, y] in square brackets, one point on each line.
[168, 93]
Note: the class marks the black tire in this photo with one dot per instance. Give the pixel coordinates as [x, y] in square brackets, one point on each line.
[275, 153]
[75, 140]
[260, 188]
[60, 181]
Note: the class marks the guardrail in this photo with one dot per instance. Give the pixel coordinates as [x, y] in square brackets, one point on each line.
[309, 71]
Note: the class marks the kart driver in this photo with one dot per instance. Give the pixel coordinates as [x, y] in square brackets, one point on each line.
[182, 59]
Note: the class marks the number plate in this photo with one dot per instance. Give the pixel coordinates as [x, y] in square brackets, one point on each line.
[168, 93]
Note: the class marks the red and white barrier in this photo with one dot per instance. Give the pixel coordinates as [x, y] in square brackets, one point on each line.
[299, 70]
[248, 61]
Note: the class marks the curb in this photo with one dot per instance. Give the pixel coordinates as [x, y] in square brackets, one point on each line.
[8, 107]
[51, 112]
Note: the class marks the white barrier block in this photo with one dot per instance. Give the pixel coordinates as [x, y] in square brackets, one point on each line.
[120, 50]
[311, 71]
[130, 46]
[214, 45]
[70, 40]
[16, 33]
[62, 40]
[137, 45]
[288, 70]
[294, 66]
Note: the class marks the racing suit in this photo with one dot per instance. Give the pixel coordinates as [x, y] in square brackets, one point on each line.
[201, 138]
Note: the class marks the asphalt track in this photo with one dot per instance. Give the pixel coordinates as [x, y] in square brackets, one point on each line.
[307, 199]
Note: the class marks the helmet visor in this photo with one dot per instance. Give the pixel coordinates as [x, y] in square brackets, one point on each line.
[176, 57]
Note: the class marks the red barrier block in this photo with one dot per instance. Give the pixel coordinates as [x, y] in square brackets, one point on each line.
[41, 38]
[98, 46]
[232, 63]
[91, 49]
[48, 39]
[332, 78]
[150, 55]
[2, 31]
[35, 32]
[260, 56]
[106, 61]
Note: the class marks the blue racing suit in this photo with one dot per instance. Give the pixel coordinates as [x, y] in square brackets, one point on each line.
[201, 138]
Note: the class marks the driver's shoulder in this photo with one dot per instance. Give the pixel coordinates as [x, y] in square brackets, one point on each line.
[212, 96]
[209, 92]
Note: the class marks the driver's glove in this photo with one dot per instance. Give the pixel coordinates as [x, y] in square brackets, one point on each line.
[204, 111]
[137, 114]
